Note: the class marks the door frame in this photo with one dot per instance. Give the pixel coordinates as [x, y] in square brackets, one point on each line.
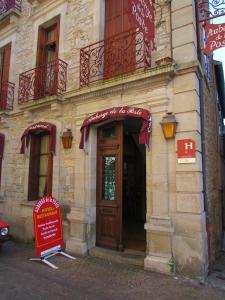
[109, 212]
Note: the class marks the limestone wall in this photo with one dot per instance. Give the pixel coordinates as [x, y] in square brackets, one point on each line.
[175, 218]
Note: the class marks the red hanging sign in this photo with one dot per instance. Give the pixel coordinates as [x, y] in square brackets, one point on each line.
[215, 37]
[47, 225]
[186, 151]
[142, 14]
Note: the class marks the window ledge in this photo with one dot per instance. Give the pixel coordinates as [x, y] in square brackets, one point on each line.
[27, 203]
[36, 104]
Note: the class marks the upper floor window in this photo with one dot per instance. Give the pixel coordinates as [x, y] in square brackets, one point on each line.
[124, 48]
[48, 42]
[116, 17]
[50, 75]
[5, 53]
[6, 87]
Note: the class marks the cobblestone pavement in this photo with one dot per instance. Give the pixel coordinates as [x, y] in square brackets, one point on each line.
[89, 278]
[217, 276]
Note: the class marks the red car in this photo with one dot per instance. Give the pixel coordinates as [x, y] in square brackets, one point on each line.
[4, 232]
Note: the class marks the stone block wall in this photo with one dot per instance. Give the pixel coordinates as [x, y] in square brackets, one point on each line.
[175, 218]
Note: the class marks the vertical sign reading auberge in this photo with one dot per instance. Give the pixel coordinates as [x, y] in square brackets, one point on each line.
[142, 14]
[47, 225]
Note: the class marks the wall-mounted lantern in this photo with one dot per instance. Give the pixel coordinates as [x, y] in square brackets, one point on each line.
[67, 139]
[169, 125]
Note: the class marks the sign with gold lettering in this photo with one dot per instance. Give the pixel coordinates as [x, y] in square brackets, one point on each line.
[47, 225]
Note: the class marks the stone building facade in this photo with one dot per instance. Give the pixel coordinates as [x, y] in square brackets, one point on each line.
[179, 206]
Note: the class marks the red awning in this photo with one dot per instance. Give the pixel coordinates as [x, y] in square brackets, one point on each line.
[35, 128]
[2, 143]
[116, 113]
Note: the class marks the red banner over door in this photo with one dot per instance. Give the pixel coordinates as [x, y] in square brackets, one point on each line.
[118, 113]
[215, 37]
[142, 14]
[47, 225]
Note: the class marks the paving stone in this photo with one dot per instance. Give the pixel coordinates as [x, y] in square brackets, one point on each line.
[89, 278]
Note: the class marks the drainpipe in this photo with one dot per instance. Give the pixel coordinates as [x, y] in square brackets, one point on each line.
[202, 125]
[202, 121]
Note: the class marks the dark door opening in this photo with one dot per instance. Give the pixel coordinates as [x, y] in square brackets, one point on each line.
[134, 188]
[121, 187]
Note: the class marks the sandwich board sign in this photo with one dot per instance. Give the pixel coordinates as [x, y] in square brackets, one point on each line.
[48, 229]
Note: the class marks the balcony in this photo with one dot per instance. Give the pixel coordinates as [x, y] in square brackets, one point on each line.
[7, 5]
[117, 55]
[7, 96]
[46, 80]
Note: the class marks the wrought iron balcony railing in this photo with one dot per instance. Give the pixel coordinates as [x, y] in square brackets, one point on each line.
[119, 54]
[6, 5]
[6, 96]
[43, 81]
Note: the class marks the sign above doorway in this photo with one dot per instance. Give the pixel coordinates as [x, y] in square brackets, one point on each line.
[116, 113]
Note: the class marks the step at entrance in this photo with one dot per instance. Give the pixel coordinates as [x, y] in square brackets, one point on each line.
[132, 258]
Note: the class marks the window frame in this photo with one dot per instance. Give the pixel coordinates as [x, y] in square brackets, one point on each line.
[34, 166]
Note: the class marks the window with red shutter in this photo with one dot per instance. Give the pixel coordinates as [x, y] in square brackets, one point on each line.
[48, 42]
[47, 54]
[40, 169]
[5, 54]
[119, 50]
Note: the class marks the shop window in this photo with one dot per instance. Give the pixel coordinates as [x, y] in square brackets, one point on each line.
[40, 170]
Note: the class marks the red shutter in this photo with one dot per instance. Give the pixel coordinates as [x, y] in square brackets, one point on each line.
[6, 63]
[119, 53]
[41, 47]
[113, 17]
[57, 35]
[0, 170]
[1, 64]
[127, 25]
[33, 185]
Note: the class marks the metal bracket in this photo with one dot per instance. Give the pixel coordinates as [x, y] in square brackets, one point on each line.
[45, 258]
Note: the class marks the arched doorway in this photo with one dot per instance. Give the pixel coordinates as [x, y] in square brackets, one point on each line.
[121, 186]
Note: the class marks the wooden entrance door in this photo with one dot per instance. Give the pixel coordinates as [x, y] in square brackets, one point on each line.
[109, 186]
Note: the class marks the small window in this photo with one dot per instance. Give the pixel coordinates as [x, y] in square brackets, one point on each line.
[40, 171]
[109, 177]
[109, 132]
